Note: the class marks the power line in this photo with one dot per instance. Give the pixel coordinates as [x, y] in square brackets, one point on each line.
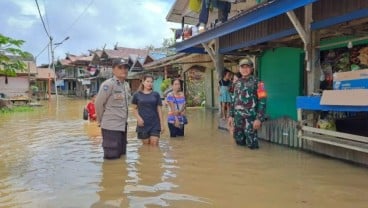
[77, 19]
[46, 16]
[43, 23]
[42, 50]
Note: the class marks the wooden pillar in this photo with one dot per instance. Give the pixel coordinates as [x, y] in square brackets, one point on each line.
[300, 131]
[312, 53]
[219, 65]
[49, 87]
[219, 58]
[29, 81]
[315, 71]
[165, 72]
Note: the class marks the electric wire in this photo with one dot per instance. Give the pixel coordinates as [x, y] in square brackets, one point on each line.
[43, 22]
[78, 18]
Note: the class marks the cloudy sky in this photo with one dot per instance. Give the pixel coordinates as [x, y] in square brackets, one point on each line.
[90, 24]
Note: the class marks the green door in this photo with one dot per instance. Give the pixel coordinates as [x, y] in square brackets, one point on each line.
[282, 71]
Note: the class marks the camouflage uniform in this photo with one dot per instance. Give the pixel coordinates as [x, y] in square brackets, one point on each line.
[245, 109]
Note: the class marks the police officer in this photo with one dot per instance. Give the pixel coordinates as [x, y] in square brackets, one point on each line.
[112, 111]
[247, 109]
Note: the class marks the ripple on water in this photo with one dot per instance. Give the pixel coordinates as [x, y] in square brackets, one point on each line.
[49, 159]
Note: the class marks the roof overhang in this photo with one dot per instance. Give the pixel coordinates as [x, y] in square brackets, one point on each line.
[182, 58]
[265, 12]
[180, 10]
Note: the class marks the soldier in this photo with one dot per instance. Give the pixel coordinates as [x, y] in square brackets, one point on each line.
[112, 111]
[247, 109]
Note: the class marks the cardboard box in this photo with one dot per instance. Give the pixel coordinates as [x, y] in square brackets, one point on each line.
[357, 79]
[351, 84]
[355, 97]
[351, 75]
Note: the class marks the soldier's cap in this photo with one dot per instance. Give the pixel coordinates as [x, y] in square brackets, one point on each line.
[120, 63]
[246, 61]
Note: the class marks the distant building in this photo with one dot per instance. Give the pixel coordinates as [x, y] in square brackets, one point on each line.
[44, 82]
[75, 74]
[20, 84]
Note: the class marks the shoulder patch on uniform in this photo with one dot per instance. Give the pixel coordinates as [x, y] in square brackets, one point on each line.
[105, 87]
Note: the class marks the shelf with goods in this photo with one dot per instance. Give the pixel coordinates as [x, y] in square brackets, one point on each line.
[341, 110]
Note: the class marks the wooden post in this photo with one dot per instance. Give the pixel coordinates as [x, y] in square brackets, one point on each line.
[29, 81]
[219, 64]
[165, 72]
[314, 78]
[300, 131]
[311, 53]
[311, 42]
[49, 87]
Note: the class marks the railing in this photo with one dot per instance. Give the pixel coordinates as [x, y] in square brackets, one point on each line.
[348, 141]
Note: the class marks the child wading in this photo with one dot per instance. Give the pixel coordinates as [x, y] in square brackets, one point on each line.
[247, 110]
[91, 108]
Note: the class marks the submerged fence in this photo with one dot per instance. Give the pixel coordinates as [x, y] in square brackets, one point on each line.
[283, 131]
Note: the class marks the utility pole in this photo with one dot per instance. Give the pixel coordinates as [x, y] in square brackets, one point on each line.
[29, 81]
[53, 68]
[53, 61]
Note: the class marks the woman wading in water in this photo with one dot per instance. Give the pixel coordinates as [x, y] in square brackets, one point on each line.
[147, 109]
[176, 102]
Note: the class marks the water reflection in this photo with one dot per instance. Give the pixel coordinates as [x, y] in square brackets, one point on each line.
[144, 178]
[52, 158]
[114, 174]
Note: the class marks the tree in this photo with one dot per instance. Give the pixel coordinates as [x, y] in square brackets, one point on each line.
[167, 44]
[150, 47]
[165, 47]
[11, 56]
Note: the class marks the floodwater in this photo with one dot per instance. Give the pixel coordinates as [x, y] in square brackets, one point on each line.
[52, 158]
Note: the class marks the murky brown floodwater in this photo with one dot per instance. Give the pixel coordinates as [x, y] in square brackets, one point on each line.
[52, 158]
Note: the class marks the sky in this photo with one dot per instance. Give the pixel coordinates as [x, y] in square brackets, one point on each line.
[90, 24]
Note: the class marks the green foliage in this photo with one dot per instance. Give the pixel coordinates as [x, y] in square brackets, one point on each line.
[166, 46]
[16, 109]
[34, 88]
[150, 47]
[195, 92]
[167, 43]
[165, 84]
[11, 56]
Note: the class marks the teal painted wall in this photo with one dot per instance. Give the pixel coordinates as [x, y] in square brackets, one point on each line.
[157, 84]
[282, 71]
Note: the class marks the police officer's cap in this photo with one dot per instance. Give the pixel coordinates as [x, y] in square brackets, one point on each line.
[246, 61]
[120, 63]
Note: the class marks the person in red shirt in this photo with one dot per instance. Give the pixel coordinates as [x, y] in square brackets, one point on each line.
[91, 108]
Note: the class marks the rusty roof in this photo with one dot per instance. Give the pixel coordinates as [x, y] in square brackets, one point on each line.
[164, 61]
[124, 53]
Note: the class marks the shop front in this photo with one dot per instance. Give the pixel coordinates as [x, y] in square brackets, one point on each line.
[289, 40]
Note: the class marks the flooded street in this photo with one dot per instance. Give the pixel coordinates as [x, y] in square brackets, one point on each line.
[52, 158]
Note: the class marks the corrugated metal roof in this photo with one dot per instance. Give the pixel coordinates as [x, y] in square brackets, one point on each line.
[245, 19]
